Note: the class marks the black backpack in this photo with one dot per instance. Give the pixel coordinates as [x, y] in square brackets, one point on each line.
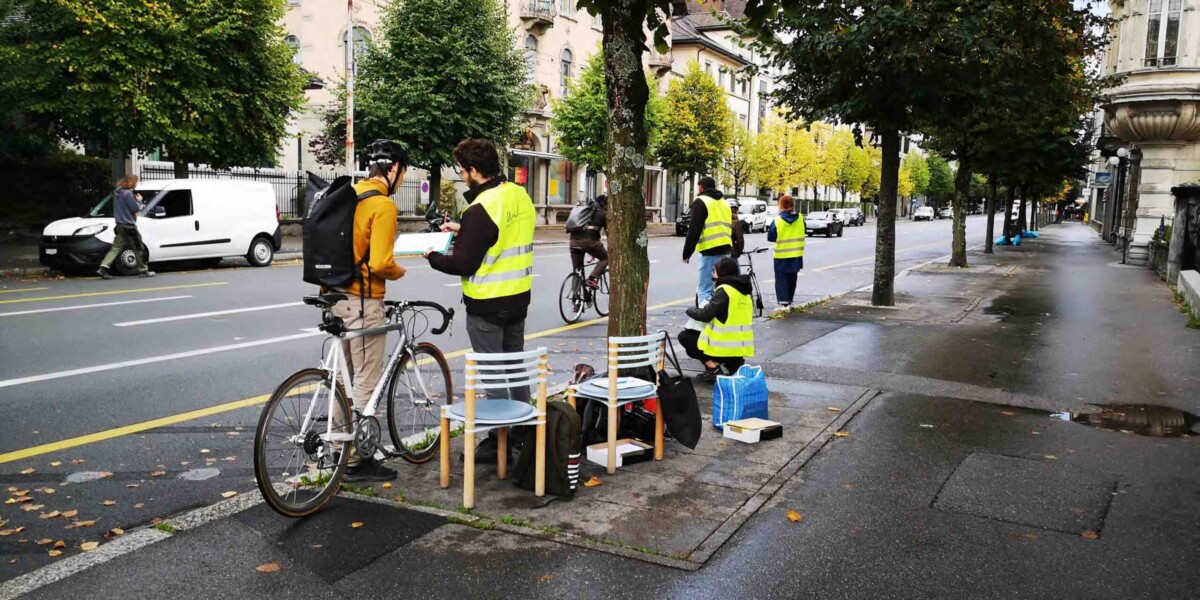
[564, 448]
[329, 236]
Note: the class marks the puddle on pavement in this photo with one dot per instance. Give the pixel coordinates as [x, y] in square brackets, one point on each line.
[1142, 419]
[199, 474]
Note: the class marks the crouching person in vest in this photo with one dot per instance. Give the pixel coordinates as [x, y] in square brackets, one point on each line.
[374, 240]
[727, 339]
[493, 254]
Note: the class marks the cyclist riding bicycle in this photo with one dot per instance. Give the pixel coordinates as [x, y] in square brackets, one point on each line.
[374, 233]
[587, 241]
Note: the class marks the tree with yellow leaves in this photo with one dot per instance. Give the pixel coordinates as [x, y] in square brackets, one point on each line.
[782, 154]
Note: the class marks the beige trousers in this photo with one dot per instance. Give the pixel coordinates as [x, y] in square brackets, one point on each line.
[365, 354]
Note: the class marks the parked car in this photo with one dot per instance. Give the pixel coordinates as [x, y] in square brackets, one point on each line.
[924, 213]
[826, 222]
[946, 213]
[752, 212]
[183, 219]
[854, 216]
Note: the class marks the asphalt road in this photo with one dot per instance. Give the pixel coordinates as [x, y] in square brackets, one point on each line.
[129, 378]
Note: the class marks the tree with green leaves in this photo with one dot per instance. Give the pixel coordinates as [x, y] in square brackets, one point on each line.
[736, 168]
[941, 179]
[854, 169]
[439, 72]
[870, 185]
[697, 124]
[581, 119]
[918, 172]
[211, 82]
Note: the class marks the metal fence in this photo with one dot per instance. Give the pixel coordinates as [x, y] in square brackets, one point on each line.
[289, 186]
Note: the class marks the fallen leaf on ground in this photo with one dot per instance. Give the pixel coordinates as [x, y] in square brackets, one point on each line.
[89, 546]
[926, 426]
[228, 494]
[315, 546]
[841, 434]
[386, 486]
[47, 490]
[60, 544]
[230, 458]
[848, 486]
[1029, 536]
[356, 525]
[204, 451]
[131, 485]
[29, 471]
[84, 523]
[833, 409]
[1091, 535]
[57, 463]
[29, 507]
[54, 553]
[1076, 511]
[44, 541]
[593, 482]
[1008, 413]
[12, 488]
[794, 516]
[77, 461]
[49, 515]
[19, 493]
[104, 474]
[158, 473]
[117, 531]
[546, 577]
[1050, 457]
[270, 567]
[138, 505]
[109, 502]
[67, 514]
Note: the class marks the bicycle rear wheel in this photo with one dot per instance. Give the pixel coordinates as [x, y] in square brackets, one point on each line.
[570, 298]
[420, 387]
[298, 470]
[600, 296]
[758, 299]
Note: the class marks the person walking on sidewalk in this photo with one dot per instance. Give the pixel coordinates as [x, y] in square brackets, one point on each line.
[787, 231]
[374, 237]
[727, 339]
[713, 233]
[126, 206]
[493, 254]
[587, 242]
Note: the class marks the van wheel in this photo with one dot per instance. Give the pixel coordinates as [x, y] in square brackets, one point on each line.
[261, 252]
[126, 262]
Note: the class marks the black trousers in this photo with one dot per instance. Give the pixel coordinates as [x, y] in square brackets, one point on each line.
[690, 340]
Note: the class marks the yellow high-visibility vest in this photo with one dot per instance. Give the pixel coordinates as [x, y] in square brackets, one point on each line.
[789, 238]
[718, 227]
[507, 268]
[734, 337]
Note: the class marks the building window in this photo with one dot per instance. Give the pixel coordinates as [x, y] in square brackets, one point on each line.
[565, 70]
[597, 22]
[293, 42]
[745, 91]
[567, 8]
[362, 42]
[531, 48]
[708, 68]
[721, 77]
[1162, 32]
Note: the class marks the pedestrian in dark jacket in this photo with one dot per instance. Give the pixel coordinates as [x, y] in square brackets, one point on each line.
[126, 206]
[787, 231]
[724, 273]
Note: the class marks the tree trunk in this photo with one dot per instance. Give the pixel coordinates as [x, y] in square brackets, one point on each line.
[1009, 217]
[627, 97]
[181, 168]
[1022, 218]
[435, 188]
[990, 207]
[883, 291]
[958, 205]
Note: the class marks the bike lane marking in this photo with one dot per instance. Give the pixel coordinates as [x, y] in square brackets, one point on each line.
[23, 290]
[206, 314]
[62, 308]
[113, 292]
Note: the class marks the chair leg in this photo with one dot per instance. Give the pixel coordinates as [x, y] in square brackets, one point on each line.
[658, 430]
[469, 466]
[502, 452]
[612, 439]
[539, 463]
[445, 443]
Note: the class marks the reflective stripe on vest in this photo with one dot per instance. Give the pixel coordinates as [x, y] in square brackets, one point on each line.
[507, 268]
[789, 238]
[718, 227]
[735, 337]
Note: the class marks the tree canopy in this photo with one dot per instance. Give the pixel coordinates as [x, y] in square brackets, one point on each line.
[941, 179]
[697, 124]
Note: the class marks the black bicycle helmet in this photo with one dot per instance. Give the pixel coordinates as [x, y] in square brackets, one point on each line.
[387, 151]
[602, 200]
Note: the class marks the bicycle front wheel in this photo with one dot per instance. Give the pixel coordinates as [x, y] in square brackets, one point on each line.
[600, 296]
[570, 298]
[420, 387]
[296, 463]
[758, 298]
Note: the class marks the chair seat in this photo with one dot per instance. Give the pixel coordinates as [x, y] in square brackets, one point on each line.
[494, 412]
[639, 390]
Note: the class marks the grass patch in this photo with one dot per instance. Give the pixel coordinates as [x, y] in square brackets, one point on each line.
[476, 524]
[783, 313]
[1182, 304]
[515, 522]
[361, 490]
[166, 527]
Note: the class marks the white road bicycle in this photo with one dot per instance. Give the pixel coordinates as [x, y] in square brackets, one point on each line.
[304, 436]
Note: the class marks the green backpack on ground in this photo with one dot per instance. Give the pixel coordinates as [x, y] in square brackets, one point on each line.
[564, 448]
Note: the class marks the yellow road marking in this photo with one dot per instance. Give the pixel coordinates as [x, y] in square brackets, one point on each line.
[24, 290]
[113, 292]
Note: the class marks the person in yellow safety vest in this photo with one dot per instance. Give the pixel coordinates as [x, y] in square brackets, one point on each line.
[787, 231]
[493, 254]
[715, 232]
[727, 339]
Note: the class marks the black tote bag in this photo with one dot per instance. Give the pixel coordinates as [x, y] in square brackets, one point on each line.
[681, 410]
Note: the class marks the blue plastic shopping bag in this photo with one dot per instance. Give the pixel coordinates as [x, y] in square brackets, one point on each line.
[742, 395]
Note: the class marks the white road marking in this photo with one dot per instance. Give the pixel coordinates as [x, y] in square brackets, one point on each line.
[46, 310]
[459, 283]
[207, 314]
[146, 361]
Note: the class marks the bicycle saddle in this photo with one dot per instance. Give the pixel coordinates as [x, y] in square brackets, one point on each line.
[324, 300]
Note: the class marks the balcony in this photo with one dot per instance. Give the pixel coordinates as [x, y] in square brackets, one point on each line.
[661, 63]
[538, 15]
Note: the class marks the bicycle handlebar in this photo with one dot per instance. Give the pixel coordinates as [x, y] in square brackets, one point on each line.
[447, 313]
[756, 251]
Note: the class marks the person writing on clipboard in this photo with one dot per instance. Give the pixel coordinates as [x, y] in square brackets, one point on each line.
[493, 254]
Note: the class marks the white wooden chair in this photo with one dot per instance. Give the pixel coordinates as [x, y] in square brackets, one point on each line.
[624, 354]
[479, 414]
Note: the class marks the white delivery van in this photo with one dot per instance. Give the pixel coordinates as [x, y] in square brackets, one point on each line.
[184, 219]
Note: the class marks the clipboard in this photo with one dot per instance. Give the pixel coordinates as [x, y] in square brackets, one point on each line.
[415, 244]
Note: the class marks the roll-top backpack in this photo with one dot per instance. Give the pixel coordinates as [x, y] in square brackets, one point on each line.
[564, 448]
[328, 232]
[581, 216]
